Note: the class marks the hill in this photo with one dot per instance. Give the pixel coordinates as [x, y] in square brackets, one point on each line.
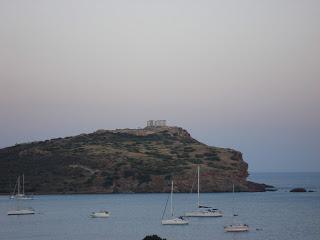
[123, 160]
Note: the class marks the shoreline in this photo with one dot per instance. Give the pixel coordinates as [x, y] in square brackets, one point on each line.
[118, 193]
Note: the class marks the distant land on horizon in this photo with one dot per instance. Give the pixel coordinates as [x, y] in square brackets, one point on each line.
[123, 161]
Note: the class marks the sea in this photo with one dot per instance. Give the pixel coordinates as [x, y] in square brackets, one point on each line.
[280, 215]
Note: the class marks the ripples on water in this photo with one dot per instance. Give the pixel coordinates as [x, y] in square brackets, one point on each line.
[281, 215]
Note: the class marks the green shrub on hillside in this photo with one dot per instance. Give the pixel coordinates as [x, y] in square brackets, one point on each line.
[153, 237]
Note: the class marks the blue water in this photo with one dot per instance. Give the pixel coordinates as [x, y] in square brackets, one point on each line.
[279, 215]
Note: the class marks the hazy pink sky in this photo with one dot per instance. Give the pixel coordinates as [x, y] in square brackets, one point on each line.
[241, 74]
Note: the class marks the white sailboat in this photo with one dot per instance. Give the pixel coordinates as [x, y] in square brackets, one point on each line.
[203, 211]
[236, 227]
[173, 220]
[20, 195]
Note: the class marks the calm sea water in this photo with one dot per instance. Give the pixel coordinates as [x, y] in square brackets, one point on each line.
[279, 215]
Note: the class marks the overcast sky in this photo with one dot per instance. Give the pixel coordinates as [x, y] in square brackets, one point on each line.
[240, 74]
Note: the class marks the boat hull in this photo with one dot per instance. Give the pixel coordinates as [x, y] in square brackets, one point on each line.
[175, 221]
[21, 212]
[21, 197]
[100, 215]
[204, 214]
[236, 228]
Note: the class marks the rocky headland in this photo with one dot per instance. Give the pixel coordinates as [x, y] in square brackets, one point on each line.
[123, 161]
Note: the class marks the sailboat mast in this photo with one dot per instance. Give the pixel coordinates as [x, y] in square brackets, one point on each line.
[18, 185]
[198, 186]
[171, 198]
[22, 184]
[233, 213]
[15, 187]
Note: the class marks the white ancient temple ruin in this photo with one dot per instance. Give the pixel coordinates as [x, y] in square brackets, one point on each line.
[156, 123]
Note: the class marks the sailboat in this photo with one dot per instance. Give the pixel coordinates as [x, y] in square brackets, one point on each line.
[19, 195]
[236, 227]
[203, 211]
[173, 220]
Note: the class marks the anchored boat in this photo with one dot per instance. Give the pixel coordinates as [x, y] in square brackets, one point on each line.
[173, 220]
[100, 214]
[203, 211]
[26, 211]
[20, 195]
[236, 227]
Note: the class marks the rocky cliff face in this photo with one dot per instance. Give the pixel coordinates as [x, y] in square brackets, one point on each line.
[123, 160]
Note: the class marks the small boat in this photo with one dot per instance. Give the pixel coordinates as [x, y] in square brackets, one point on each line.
[236, 227]
[19, 195]
[173, 220]
[26, 211]
[203, 211]
[100, 214]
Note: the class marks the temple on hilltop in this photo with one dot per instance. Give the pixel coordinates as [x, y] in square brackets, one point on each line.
[156, 123]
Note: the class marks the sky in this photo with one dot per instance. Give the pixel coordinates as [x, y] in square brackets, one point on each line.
[239, 74]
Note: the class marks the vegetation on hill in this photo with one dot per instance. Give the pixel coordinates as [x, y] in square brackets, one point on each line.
[153, 237]
[125, 160]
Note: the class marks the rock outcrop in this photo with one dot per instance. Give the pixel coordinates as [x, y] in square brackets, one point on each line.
[298, 190]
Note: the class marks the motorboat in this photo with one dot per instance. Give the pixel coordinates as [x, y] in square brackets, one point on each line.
[26, 211]
[100, 214]
[236, 228]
